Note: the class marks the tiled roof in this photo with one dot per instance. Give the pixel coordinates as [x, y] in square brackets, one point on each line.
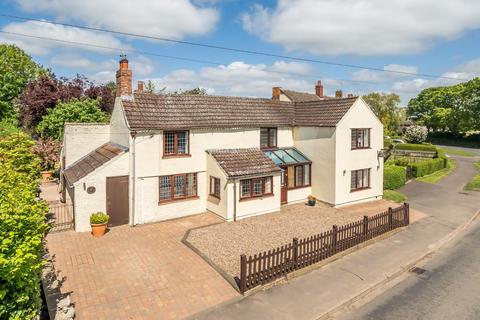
[242, 162]
[154, 111]
[92, 161]
[296, 96]
[322, 113]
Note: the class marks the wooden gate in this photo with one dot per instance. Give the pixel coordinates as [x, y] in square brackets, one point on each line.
[60, 216]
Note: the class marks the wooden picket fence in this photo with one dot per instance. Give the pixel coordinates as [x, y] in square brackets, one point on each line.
[270, 265]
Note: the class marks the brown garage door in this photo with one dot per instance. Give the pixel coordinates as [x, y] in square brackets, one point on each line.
[117, 200]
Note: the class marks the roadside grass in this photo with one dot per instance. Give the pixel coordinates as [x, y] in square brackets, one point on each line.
[440, 174]
[457, 152]
[474, 184]
[393, 195]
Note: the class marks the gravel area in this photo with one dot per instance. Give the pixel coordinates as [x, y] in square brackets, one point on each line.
[224, 243]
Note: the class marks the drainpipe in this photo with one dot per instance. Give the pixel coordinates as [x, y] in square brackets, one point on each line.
[234, 200]
[132, 178]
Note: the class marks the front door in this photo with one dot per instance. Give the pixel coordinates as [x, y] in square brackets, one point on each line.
[117, 200]
[284, 189]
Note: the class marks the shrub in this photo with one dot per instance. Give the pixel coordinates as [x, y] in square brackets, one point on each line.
[22, 227]
[393, 177]
[423, 168]
[416, 134]
[48, 151]
[416, 147]
[99, 217]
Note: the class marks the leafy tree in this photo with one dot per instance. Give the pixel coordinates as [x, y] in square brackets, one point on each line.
[22, 228]
[387, 109]
[195, 91]
[416, 134]
[16, 69]
[86, 110]
[150, 87]
[45, 92]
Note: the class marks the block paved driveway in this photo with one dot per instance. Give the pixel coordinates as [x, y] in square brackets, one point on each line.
[144, 272]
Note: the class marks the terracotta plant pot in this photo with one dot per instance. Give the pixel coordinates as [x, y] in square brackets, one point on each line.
[46, 175]
[99, 229]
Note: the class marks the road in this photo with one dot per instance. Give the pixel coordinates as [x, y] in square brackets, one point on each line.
[448, 289]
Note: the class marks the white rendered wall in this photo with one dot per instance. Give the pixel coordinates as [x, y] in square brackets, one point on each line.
[81, 138]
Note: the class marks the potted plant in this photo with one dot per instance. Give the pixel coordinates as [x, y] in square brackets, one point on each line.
[98, 222]
[311, 200]
[48, 151]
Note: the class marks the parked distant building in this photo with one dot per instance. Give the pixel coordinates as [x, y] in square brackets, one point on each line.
[168, 156]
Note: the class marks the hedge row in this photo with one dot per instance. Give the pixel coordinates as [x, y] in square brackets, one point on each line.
[22, 227]
[416, 147]
[423, 168]
[393, 177]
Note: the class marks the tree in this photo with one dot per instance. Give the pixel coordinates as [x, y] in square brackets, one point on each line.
[387, 109]
[416, 134]
[195, 91]
[45, 92]
[86, 110]
[16, 69]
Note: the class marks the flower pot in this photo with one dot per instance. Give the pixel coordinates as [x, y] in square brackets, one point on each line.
[311, 203]
[46, 175]
[99, 229]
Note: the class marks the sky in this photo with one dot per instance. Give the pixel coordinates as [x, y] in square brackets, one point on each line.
[432, 37]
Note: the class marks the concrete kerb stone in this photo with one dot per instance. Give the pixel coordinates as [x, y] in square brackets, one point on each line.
[403, 269]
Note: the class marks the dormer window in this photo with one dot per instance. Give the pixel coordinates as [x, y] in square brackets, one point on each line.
[176, 143]
[268, 138]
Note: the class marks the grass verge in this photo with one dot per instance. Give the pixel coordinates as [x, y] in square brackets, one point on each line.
[440, 174]
[393, 195]
[458, 152]
[474, 184]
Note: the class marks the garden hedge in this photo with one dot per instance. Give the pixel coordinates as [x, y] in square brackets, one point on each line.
[416, 147]
[423, 168]
[393, 177]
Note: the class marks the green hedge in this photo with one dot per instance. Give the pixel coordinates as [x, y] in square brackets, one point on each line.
[393, 177]
[416, 147]
[423, 168]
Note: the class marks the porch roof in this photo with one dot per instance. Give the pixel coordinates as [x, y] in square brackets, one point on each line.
[287, 156]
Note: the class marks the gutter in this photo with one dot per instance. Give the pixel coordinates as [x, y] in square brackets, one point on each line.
[234, 200]
[131, 189]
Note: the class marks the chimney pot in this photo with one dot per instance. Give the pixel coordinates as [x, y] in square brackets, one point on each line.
[124, 78]
[276, 93]
[319, 89]
[139, 86]
[338, 94]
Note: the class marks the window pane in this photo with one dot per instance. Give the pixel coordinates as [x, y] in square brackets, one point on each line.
[169, 142]
[179, 187]
[212, 185]
[264, 137]
[307, 174]
[299, 176]
[165, 188]
[191, 184]
[295, 154]
[291, 176]
[257, 187]
[360, 138]
[217, 187]
[353, 184]
[182, 142]
[268, 184]
[367, 138]
[244, 188]
[285, 157]
[273, 137]
[354, 138]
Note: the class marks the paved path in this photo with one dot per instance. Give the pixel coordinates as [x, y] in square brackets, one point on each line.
[316, 293]
[448, 289]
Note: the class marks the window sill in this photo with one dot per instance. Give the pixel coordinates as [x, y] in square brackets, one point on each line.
[301, 187]
[256, 198]
[360, 189]
[215, 196]
[366, 148]
[177, 200]
[168, 156]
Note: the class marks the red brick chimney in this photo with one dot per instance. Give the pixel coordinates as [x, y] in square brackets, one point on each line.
[276, 91]
[338, 94]
[319, 89]
[139, 87]
[124, 78]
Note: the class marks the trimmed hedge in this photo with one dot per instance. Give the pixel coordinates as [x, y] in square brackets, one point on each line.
[416, 147]
[393, 177]
[423, 168]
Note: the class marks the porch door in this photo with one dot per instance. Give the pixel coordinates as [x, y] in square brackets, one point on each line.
[284, 189]
[117, 200]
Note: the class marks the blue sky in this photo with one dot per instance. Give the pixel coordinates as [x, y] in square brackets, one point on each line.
[425, 37]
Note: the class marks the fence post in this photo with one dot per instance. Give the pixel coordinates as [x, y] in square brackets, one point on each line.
[334, 238]
[243, 273]
[406, 213]
[295, 253]
[390, 217]
[365, 226]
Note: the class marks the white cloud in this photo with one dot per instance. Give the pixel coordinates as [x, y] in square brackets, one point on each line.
[240, 78]
[372, 75]
[80, 63]
[175, 19]
[362, 27]
[44, 47]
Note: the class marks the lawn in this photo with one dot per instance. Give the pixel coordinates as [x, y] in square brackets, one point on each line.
[393, 195]
[440, 174]
[474, 184]
[457, 152]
